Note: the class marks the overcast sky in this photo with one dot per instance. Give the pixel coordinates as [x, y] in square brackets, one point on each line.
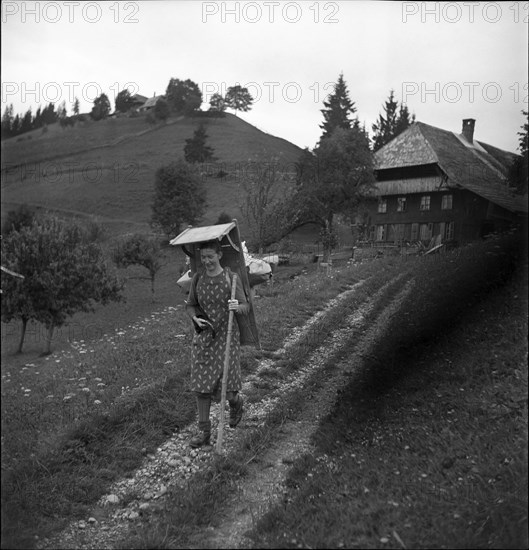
[447, 61]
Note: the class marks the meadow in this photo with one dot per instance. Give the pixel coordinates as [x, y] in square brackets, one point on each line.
[105, 170]
[76, 421]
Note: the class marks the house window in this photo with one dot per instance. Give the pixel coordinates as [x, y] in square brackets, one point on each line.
[425, 202]
[381, 232]
[382, 206]
[446, 202]
[449, 231]
[401, 204]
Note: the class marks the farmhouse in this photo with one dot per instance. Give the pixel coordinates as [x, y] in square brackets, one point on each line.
[137, 101]
[150, 103]
[433, 183]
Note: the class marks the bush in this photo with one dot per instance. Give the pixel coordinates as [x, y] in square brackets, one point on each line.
[150, 118]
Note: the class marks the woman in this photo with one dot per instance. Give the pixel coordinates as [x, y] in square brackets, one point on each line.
[209, 305]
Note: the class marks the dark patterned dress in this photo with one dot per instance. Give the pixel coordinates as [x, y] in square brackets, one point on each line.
[207, 352]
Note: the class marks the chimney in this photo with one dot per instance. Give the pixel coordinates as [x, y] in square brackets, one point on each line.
[468, 129]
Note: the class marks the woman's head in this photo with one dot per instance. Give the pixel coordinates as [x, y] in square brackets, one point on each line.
[210, 255]
[210, 245]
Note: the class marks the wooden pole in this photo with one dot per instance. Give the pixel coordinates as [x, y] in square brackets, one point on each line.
[220, 433]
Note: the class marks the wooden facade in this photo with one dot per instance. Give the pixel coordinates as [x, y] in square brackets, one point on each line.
[434, 183]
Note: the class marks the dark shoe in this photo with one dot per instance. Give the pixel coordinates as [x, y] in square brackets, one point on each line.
[236, 412]
[202, 439]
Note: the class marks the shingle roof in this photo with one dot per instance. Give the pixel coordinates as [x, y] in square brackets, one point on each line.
[478, 167]
[151, 102]
[139, 99]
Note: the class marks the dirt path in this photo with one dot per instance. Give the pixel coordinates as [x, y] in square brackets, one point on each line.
[174, 463]
[264, 484]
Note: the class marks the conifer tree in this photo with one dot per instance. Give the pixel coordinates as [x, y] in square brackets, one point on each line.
[403, 120]
[518, 173]
[7, 122]
[196, 149]
[390, 124]
[338, 109]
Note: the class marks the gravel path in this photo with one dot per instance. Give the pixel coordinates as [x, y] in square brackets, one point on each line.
[174, 463]
[264, 484]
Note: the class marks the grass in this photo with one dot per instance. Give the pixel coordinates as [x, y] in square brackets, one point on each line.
[105, 184]
[60, 455]
[343, 495]
[427, 447]
[55, 408]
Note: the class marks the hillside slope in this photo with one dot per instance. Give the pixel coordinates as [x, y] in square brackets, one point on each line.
[107, 168]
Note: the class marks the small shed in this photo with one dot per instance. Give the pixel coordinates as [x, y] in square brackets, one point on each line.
[232, 256]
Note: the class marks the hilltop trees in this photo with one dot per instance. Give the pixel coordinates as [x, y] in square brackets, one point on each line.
[7, 122]
[27, 120]
[183, 96]
[238, 98]
[101, 108]
[394, 121]
[217, 103]
[124, 101]
[13, 125]
[338, 109]
[195, 149]
[179, 197]
[64, 272]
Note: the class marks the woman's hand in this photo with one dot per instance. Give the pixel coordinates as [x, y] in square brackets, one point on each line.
[233, 305]
[202, 323]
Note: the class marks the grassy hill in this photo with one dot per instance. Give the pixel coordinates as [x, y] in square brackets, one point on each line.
[106, 169]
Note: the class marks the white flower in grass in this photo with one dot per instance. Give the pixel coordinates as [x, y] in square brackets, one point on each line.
[85, 390]
[67, 398]
[97, 402]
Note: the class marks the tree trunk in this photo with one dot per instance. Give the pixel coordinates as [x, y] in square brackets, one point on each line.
[22, 334]
[328, 238]
[152, 287]
[49, 337]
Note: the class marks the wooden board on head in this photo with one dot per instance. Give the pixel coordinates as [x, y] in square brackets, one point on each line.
[228, 236]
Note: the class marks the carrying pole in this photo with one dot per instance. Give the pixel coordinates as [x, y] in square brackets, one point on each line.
[220, 433]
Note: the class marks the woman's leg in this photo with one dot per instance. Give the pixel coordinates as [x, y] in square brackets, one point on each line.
[236, 407]
[204, 423]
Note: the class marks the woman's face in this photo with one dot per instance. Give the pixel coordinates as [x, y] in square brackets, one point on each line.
[210, 259]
